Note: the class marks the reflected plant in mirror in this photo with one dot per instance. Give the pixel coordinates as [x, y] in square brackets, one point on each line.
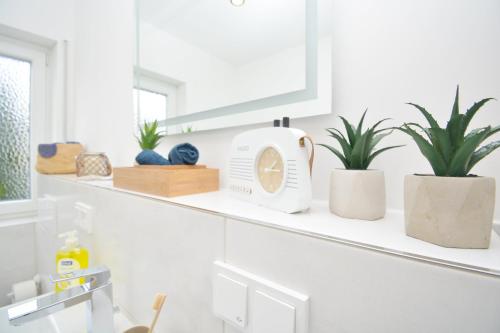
[357, 149]
[188, 129]
[3, 191]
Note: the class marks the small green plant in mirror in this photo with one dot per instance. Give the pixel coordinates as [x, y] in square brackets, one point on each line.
[189, 129]
[450, 151]
[358, 148]
[3, 191]
[150, 136]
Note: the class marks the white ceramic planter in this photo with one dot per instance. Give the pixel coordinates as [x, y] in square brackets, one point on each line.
[450, 211]
[357, 194]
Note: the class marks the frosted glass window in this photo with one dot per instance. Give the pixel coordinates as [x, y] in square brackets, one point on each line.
[15, 181]
[150, 106]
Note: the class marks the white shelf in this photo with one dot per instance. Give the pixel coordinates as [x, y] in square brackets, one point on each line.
[386, 235]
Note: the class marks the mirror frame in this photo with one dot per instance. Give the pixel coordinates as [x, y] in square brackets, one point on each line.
[308, 93]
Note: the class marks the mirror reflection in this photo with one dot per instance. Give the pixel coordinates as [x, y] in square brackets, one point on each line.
[200, 55]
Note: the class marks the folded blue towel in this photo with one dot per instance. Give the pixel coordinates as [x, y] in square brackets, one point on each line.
[149, 157]
[183, 153]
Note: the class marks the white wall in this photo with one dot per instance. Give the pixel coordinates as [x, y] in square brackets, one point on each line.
[274, 74]
[355, 290]
[103, 58]
[170, 56]
[211, 82]
[49, 18]
[17, 256]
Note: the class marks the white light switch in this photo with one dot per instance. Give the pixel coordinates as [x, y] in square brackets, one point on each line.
[230, 300]
[268, 307]
[272, 315]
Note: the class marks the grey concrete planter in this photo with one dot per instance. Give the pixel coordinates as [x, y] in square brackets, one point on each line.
[450, 211]
[357, 194]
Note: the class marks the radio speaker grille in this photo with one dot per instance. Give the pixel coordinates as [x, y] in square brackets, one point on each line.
[241, 168]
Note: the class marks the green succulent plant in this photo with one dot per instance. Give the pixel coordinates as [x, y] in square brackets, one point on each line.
[3, 191]
[357, 150]
[450, 151]
[150, 136]
[189, 129]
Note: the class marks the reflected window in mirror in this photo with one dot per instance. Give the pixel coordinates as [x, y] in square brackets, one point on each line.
[149, 106]
[155, 98]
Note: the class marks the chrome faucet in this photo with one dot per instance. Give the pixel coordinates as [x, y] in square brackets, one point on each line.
[96, 291]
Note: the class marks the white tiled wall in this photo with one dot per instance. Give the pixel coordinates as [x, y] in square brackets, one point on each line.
[152, 247]
[17, 256]
[355, 290]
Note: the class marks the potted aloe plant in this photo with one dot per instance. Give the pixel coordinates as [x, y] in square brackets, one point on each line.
[451, 208]
[358, 192]
[150, 138]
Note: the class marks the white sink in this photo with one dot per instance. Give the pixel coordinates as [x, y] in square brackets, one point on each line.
[70, 320]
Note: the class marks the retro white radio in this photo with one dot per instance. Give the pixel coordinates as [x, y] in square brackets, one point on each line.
[272, 167]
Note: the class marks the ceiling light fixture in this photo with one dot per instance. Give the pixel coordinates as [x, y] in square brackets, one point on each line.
[237, 3]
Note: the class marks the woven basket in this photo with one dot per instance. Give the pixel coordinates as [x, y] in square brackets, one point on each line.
[93, 164]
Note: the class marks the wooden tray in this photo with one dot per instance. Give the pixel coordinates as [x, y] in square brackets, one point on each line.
[167, 180]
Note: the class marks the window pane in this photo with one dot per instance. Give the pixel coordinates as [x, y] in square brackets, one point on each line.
[153, 106]
[14, 129]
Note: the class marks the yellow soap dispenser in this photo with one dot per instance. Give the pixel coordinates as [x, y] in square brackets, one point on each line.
[69, 258]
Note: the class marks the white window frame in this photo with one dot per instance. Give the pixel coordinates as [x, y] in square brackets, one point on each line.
[156, 83]
[138, 110]
[38, 98]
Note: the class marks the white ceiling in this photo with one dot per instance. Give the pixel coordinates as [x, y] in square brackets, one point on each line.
[235, 34]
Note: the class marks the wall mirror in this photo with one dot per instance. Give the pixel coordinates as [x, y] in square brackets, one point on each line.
[205, 64]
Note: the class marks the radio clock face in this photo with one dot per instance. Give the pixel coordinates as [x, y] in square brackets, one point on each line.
[270, 170]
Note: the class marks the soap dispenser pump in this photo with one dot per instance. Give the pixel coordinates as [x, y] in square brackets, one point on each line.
[71, 257]
[71, 241]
